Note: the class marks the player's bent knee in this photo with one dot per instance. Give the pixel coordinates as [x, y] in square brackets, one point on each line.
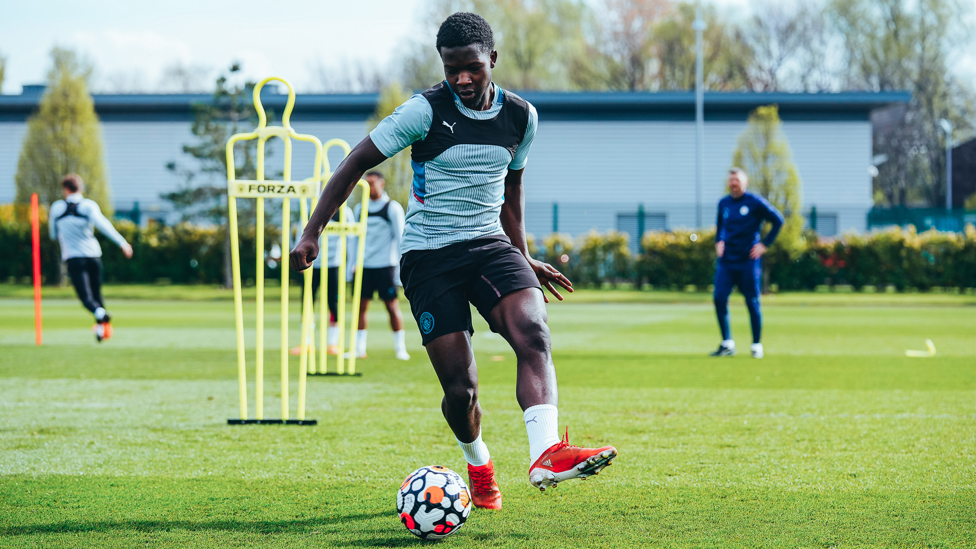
[531, 335]
[462, 396]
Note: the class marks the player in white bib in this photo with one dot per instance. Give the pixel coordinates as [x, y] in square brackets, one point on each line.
[71, 222]
[384, 231]
[332, 299]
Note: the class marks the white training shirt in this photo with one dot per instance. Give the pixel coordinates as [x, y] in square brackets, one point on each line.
[458, 195]
[334, 246]
[75, 233]
[382, 236]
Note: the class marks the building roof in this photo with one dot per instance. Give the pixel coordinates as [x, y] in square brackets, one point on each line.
[678, 106]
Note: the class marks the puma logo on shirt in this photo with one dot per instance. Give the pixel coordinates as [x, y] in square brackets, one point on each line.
[449, 126]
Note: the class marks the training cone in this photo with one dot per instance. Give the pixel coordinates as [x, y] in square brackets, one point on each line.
[923, 354]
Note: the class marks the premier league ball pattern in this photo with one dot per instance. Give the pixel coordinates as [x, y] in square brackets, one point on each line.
[433, 502]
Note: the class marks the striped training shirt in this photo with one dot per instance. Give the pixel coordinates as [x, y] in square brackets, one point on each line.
[460, 158]
[73, 229]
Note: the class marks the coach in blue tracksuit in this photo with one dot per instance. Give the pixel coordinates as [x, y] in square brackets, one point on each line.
[739, 249]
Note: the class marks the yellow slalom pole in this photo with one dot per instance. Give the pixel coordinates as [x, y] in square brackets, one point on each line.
[357, 285]
[324, 315]
[259, 281]
[341, 312]
[285, 245]
[307, 315]
[235, 260]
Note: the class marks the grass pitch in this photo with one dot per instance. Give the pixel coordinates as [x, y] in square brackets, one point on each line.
[834, 439]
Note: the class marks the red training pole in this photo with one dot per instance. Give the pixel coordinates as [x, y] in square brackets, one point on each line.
[36, 245]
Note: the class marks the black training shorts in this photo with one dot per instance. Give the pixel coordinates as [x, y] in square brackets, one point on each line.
[379, 281]
[440, 283]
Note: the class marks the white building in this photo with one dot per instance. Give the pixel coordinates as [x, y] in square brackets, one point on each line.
[597, 157]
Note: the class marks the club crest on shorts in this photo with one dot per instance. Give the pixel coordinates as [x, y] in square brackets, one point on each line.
[426, 323]
[744, 210]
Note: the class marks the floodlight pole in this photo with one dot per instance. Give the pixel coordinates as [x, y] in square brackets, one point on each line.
[947, 128]
[699, 26]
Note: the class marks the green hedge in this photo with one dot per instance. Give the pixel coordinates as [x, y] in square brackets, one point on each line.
[180, 254]
[903, 259]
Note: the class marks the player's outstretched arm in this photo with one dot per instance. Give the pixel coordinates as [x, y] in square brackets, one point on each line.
[512, 218]
[364, 156]
[109, 230]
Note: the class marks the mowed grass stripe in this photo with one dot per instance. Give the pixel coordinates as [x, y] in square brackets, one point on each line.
[164, 512]
[834, 439]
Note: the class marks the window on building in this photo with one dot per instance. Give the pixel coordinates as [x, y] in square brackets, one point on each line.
[826, 223]
[628, 223]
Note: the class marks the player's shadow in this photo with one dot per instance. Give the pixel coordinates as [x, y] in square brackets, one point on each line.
[325, 524]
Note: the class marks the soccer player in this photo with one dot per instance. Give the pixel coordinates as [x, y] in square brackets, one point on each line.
[384, 229]
[70, 222]
[464, 241]
[332, 299]
[740, 249]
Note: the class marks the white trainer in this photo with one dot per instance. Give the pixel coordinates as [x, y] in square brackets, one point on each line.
[757, 350]
[402, 355]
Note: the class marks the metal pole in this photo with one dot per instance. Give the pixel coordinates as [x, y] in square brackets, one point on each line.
[949, 170]
[640, 227]
[947, 128]
[699, 26]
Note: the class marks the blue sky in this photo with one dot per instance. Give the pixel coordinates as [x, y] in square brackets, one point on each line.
[131, 40]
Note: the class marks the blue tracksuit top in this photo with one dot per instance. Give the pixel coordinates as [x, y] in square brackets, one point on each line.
[738, 225]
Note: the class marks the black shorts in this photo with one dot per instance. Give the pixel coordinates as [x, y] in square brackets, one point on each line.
[440, 283]
[381, 281]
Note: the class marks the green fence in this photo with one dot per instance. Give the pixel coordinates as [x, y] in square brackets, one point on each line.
[922, 219]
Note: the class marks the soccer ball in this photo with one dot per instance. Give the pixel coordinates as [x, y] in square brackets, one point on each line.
[433, 502]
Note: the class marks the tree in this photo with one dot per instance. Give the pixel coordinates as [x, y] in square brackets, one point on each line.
[349, 76]
[397, 170]
[726, 55]
[539, 42]
[204, 190]
[791, 47]
[764, 153]
[182, 78]
[64, 136]
[627, 42]
[3, 70]
[915, 46]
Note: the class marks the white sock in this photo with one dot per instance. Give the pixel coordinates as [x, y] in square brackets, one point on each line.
[542, 425]
[361, 342]
[100, 313]
[333, 335]
[399, 343]
[757, 347]
[729, 344]
[475, 452]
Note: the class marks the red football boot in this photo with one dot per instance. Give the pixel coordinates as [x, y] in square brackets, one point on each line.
[102, 331]
[563, 462]
[484, 490]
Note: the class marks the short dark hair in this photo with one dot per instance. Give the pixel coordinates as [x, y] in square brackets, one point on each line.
[377, 173]
[464, 29]
[73, 182]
